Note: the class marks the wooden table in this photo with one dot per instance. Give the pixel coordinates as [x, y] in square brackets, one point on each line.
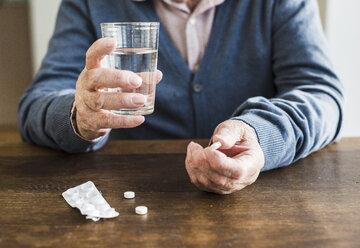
[314, 203]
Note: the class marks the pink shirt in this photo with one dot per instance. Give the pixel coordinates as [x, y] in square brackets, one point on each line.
[189, 30]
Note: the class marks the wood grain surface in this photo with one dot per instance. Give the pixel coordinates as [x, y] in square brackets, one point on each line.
[313, 203]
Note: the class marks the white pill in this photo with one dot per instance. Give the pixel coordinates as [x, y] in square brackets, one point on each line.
[216, 145]
[129, 194]
[141, 210]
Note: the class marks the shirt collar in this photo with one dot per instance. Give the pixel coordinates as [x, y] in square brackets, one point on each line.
[183, 6]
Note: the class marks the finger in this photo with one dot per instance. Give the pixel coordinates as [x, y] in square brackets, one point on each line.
[199, 156]
[228, 133]
[110, 78]
[194, 147]
[149, 76]
[200, 186]
[201, 175]
[120, 121]
[199, 170]
[97, 52]
[224, 165]
[224, 185]
[203, 183]
[191, 167]
[196, 153]
[188, 158]
[159, 76]
[219, 181]
[227, 185]
[113, 100]
[242, 167]
[206, 184]
[104, 119]
[191, 162]
[251, 164]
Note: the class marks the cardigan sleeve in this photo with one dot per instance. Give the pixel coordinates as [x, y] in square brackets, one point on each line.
[306, 113]
[45, 108]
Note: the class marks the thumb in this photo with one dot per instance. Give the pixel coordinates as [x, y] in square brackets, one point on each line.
[97, 52]
[228, 133]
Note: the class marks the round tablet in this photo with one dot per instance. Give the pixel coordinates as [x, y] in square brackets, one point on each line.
[216, 145]
[129, 194]
[141, 210]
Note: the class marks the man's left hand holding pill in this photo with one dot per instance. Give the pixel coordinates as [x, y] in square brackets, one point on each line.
[234, 166]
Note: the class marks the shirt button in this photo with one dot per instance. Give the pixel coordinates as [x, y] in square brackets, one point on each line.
[196, 68]
[192, 21]
[197, 87]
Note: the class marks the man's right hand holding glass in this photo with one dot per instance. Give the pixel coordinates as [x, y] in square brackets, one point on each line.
[93, 116]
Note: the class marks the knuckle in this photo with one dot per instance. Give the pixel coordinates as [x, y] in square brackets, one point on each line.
[80, 81]
[198, 185]
[204, 182]
[98, 101]
[220, 181]
[93, 76]
[100, 121]
[124, 100]
[88, 126]
[252, 179]
[197, 162]
[90, 57]
[238, 173]
[120, 77]
[191, 172]
[107, 121]
[83, 123]
[94, 125]
[88, 53]
[80, 120]
[189, 165]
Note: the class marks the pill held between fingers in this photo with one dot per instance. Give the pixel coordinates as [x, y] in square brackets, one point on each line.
[141, 210]
[216, 145]
[129, 194]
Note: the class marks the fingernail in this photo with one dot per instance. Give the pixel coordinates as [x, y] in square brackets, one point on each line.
[110, 42]
[135, 80]
[138, 99]
[140, 119]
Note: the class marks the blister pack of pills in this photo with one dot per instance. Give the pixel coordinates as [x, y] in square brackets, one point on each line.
[87, 198]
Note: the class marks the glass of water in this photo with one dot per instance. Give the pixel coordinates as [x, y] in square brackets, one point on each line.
[137, 51]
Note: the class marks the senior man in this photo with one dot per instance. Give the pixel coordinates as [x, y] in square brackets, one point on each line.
[251, 74]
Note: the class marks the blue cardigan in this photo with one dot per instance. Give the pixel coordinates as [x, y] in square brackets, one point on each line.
[266, 63]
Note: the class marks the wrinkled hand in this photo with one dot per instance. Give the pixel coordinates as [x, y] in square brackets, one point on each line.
[93, 104]
[235, 165]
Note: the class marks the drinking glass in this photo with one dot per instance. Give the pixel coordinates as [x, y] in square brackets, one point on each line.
[136, 50]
